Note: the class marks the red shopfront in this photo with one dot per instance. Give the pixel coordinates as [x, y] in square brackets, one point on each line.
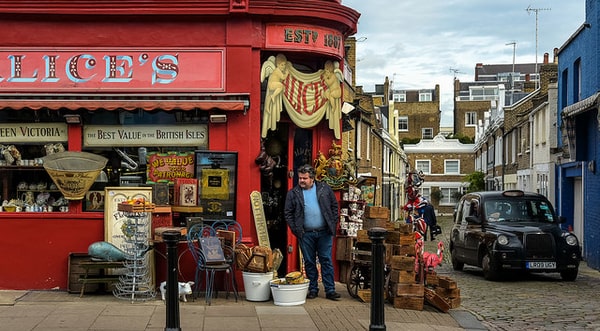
[188, 68]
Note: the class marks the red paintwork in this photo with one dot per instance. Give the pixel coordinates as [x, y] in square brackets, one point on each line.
[36, 246]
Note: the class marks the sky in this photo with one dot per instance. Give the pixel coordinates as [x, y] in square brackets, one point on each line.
[420, 43]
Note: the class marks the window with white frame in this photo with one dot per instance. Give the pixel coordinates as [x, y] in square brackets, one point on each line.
[449, 195]
[399, 97]
[452, 167]
[403, 123]
[425, 192]
[423, 165]
[470, 118]
[424, 96]
[483, 92]
[427, 133]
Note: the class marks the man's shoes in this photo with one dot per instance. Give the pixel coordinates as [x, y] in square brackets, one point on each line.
[311, 295]
[333, 296]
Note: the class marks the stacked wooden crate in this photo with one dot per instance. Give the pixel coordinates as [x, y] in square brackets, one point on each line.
[403, 291]
[375, 217]
[442, 292]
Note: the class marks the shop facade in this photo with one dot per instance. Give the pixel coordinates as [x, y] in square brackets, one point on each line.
[162, 81]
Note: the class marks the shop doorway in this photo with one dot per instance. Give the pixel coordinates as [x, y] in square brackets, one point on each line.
[274, 187]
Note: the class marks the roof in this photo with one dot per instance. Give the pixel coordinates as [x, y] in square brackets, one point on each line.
[439, 144]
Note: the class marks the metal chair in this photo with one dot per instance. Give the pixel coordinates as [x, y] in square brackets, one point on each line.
[198, 235]
[229, 225]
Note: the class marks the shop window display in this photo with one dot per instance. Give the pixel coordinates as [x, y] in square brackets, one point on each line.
[24, 184]
[125, 138]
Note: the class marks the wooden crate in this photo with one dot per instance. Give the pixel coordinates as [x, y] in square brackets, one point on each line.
[344, 269]
[390, 226]
[399, 238]
[392, 237]
[362, 236]
[454, 302]
[405, 250]
[447, 282]
[369, 223]
[343, 248]
[448, 292]
[408, 289]
[402, 262]
[75, 271]
[431, 279]
[408, 302]
[402, 276]
[436, 300]
[404, 228]
[364, 295]
[377, 212]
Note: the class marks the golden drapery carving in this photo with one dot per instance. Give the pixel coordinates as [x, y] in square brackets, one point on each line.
[307, 97]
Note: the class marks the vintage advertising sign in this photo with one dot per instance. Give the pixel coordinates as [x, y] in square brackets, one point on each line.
[165, 167]
[33, 132]
[145, 135]
[305, 37]
[121, 69]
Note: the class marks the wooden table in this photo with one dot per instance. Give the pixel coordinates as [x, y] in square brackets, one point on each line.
[101, 277]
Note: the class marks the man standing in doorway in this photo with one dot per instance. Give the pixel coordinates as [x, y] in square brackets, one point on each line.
[311, 211]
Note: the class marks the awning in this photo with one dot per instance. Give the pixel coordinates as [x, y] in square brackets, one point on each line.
[223, 101]
[582, 106]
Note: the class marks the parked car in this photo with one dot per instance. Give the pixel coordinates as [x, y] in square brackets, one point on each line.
[512, 231]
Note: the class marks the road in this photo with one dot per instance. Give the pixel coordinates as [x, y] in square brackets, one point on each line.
[529, 302]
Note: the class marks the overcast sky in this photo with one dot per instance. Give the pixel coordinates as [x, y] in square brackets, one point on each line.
[421, 43]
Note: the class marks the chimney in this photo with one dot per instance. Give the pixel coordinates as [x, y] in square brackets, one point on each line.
[546, 55]
[555, 60]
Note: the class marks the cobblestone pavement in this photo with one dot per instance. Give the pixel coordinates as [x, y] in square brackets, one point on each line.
[528, 302]
[531, 302]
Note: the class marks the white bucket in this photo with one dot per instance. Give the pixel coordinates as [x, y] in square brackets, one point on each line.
[256, 285]
[289, 294]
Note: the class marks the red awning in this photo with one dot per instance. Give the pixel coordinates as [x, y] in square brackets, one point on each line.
[226, 102]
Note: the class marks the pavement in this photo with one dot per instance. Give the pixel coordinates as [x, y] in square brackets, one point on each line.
[51, 310]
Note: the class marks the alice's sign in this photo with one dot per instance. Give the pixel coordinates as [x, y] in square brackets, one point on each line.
[165, 167]
[146, 135]
[172, 70]
[33, 132]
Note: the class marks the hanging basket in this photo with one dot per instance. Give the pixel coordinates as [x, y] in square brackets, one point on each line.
[74, 172]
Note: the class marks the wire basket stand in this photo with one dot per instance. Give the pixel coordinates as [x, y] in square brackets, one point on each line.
[136, 283]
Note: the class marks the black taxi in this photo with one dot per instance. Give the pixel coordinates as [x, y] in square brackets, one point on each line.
[503, 231]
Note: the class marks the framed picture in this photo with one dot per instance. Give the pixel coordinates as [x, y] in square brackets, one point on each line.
[94, 201]
[367, 185]
[217, 177]
[114, 220]
[116, 225]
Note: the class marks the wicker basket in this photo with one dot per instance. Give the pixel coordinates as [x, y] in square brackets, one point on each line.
[74, 172]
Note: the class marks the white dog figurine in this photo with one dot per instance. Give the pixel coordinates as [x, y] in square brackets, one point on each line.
[184, 289]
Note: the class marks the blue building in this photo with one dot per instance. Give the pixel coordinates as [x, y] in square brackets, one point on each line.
[578, 176]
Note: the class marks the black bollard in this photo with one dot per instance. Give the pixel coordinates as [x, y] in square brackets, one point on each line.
[171, 238]
[377, 235]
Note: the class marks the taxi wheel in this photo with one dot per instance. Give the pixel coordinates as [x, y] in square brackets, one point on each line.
[456, 265]
[490, 270]
[569, 275]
